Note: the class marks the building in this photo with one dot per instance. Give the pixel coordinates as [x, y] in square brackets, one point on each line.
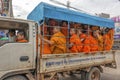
[116, 19]
[104, 15]
[6, 8]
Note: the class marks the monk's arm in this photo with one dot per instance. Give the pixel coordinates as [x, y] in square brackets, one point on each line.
[48, 41]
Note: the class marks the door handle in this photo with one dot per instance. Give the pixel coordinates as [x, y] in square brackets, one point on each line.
[24, 58]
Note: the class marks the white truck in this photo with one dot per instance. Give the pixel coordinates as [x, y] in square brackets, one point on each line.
[22, 61]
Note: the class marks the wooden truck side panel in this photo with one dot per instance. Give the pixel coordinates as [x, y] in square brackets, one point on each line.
[65, 62]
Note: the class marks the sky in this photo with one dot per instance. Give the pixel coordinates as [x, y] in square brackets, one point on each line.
[21, 8]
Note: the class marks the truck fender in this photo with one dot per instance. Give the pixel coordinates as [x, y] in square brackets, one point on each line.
[99, 67]
[14, 73]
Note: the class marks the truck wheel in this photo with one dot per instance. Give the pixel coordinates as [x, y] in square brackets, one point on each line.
[94, 74]
[16, 77]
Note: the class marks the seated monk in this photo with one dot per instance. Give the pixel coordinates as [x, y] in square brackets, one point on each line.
[45, 47]
[21, 37]
[81, 35]
[90, 43]
[86, 42]
[86, 45]
[57, 41]
[75, 43]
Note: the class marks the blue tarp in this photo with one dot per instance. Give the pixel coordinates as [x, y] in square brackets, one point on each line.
[44, 10]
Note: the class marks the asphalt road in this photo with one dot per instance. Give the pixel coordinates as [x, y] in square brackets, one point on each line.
[112, 74]
[108, 73]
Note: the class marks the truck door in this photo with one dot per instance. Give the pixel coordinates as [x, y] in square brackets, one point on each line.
[15, 55]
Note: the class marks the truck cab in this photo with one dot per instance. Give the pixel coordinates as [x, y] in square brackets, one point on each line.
[16, 56]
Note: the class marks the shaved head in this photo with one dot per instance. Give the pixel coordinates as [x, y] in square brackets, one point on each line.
[56, 29]
[72, 31]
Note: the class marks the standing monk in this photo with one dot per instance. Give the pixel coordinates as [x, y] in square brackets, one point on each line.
[57, 41]
[64, 29]
[75, 43]
[45, 47]
[52, 22]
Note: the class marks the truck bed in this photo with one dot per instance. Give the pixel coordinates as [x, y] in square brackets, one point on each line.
[73, 61]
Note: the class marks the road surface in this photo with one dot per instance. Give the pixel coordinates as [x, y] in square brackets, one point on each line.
[108, 74]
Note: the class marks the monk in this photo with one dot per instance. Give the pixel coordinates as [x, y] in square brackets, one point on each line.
[64, 29]
[107, 42]
[86, 45]
[111, 34]
[57, 42]
[75, 43]
[45, 47]
[81, 35]
[21, 37]
[86, 42]
[52, 22]
[99, 38]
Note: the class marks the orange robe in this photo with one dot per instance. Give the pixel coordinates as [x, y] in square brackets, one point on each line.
[86, 45]
[59, 43]
[93, 44]
[77, 47]
[111, 34]
[107, 42]
[22, 41]
[100, 43]
[44, 47]
[94, 28]
[83, 37]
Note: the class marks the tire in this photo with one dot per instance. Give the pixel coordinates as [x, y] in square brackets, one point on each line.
[16, 77]
[93, 74]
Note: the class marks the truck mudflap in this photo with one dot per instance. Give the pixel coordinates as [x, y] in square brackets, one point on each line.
[64, 62]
